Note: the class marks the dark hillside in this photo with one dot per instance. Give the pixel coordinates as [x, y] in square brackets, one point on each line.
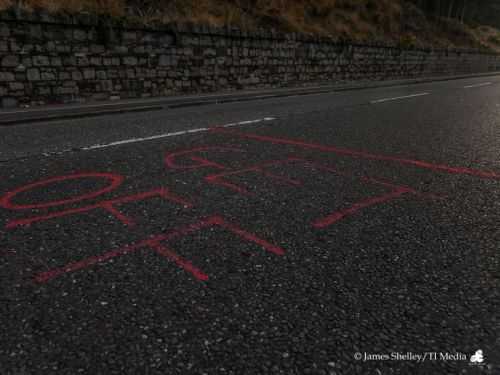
[441, 23]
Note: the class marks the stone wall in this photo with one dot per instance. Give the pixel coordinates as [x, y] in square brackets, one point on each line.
[58, 60]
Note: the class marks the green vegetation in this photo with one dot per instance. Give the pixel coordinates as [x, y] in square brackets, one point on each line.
[443, 23]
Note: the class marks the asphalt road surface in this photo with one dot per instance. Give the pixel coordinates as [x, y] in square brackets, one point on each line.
[344, 233]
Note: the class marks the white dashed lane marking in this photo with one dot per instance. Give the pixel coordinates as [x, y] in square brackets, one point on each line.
[478, 85]
[398, 98]
[173, 134]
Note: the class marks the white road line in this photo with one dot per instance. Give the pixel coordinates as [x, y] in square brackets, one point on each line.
[251, 122]
[398, 98]
[174, 134]
[478, 85]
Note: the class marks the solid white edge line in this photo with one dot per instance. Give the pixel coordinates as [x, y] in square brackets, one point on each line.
[478, 85]
[158, 101]
[399, 98]
[174, 134]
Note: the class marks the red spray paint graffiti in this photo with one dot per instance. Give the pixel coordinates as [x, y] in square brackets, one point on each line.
[6, 200]
[396, 190]
[107, 205]
[173, 161]
[155, 243]
[361, 154]
[218, 179]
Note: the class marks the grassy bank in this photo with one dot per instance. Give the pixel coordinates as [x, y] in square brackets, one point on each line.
[395, 21]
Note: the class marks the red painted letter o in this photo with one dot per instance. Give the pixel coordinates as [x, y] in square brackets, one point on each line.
[115, 181]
